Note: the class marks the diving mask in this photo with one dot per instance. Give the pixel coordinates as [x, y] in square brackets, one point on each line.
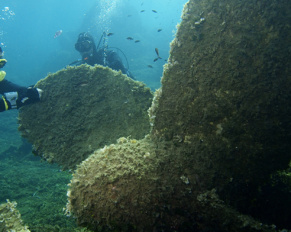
[83, 46]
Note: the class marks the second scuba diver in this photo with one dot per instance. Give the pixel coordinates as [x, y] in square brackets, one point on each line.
[91, 55]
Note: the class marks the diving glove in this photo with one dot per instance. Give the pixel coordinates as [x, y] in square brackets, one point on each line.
[22, 97]
[2, 63]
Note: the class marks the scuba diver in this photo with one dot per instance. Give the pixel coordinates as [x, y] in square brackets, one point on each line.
[15, 96]
[92, 55]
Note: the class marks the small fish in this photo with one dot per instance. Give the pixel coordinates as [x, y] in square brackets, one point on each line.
[157, 59]
[159, 30]
[137, 41]
[142, 11]
[157, 51]
[110, 34]
[154, 11]
[129, 38]
[58, 33]
[150, 66]
[129, 16]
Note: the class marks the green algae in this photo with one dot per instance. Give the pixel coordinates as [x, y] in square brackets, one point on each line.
[39, 190]
[11, 137]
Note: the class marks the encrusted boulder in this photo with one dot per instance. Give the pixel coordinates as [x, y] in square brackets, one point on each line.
[226, 98]
[10, 218]
[82, 109]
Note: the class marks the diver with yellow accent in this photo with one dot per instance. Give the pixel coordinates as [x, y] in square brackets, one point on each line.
[15, 96]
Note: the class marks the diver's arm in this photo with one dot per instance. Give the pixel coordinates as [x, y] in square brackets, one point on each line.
[7, 86]
[3, 104]
[15, 96]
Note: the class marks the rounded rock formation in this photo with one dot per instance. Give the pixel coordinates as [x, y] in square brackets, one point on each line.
[82, 109]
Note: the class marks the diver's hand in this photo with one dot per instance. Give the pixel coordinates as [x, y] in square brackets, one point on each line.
[28, 96]
[40, 91]
[22, 97]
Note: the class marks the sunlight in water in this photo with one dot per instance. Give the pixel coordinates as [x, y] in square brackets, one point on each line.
[6, 13]
[107, 9]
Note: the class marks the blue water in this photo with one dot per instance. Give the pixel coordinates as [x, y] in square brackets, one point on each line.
[27, 31]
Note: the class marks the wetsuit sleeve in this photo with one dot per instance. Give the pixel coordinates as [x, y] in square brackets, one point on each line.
[15, 96]
[4, 105]
[7, 86]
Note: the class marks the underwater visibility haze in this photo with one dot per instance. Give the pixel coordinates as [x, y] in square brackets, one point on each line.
[199, 141]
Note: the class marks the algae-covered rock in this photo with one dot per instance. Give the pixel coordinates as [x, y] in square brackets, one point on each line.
[10, 218]
[114, 194]
[226, 98]
[84, 108]
[221, 128]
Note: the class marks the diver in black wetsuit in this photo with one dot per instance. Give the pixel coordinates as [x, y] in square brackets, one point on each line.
[15, 96]
[91, 55]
